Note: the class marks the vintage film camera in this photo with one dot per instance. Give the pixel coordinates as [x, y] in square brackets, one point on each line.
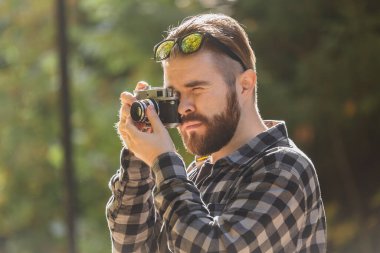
[164, 100]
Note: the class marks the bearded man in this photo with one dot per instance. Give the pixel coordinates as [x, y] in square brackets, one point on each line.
[250, 189]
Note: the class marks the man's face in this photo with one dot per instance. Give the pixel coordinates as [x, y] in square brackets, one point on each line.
[208, 105]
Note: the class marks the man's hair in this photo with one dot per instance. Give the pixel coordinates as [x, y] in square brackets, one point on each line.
[222, 27]
[225, 29]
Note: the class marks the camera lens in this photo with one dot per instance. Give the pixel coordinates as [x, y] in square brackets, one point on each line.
[138, 109]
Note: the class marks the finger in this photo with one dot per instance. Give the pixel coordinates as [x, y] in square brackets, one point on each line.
[127, 98]
[121, 128]
[124, 112]
[130, 128]
[124, 137]
[140, 125]
[142, 85]
[126, 141]
[123, 134]
[123, 115]
[154, 119]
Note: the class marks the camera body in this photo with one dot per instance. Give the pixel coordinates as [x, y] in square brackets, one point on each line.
[164, 100]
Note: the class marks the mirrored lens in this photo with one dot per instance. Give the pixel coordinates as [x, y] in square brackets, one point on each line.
[191, 43]
[163, 50]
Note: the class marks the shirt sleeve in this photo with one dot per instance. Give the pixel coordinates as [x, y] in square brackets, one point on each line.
[130, 211]
[265, 214]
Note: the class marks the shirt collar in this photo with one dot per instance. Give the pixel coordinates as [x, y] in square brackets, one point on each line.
[275, 134]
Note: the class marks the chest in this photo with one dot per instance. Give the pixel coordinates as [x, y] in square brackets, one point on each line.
[217, 187]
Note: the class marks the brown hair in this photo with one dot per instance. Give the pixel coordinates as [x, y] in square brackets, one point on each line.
[222, 27]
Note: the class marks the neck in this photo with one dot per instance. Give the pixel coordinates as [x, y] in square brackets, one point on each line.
[249, 126]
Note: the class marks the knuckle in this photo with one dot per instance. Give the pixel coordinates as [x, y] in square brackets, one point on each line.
[120, 128]
[126, 97]
[142, 85]
[125, 93]
[124, 112]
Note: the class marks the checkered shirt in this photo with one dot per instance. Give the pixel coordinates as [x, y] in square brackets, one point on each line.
[264, 197]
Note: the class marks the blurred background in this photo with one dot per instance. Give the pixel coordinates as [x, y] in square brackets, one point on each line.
[318, 64]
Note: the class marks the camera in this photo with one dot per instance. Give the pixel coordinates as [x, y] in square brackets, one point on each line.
[164, 100]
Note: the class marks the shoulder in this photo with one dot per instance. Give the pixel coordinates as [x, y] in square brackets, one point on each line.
[287, 158]
[285, 163]
[291, 164]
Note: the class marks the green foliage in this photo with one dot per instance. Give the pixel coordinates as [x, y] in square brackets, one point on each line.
[317, 64]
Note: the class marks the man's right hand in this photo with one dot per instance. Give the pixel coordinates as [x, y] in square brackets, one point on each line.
[127, 99]
[145, 143]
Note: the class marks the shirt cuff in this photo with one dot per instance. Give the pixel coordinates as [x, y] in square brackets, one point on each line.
[167, 166]
[132, 168]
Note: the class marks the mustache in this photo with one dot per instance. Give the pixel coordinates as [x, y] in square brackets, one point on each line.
[194, 117]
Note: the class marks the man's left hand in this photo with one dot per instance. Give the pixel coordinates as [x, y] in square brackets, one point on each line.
[147, 146]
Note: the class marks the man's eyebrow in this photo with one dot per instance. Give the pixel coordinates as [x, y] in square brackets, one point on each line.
[196, 83]
[191, 84]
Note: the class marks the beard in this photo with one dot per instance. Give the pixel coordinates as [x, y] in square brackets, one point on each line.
[220, 128]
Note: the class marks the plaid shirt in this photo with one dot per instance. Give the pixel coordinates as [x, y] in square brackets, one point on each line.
[264, 197]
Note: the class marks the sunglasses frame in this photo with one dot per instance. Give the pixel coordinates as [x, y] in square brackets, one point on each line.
[178, 41]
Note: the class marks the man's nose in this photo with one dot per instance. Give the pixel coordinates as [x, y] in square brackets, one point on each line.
[185, 106]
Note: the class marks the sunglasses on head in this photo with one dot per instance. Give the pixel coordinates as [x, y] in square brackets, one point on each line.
[191, 43]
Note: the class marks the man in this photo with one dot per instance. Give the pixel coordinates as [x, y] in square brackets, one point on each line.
[254, 192]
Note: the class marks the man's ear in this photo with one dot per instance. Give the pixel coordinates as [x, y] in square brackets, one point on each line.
[247, 82]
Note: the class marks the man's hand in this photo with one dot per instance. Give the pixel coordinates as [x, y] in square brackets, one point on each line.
[147, 146]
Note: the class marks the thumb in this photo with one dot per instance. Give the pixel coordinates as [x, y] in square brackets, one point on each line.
[154, 119]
